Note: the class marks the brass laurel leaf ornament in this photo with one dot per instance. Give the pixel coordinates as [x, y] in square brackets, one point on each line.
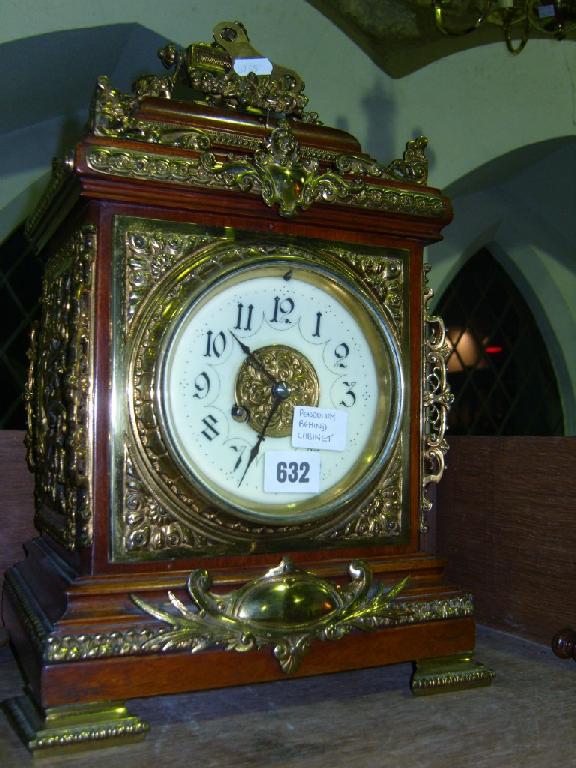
[269, 611]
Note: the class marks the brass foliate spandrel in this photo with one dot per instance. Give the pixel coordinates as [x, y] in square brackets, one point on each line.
[164, 267]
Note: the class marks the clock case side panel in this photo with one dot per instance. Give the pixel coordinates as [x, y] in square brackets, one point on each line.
[68, 449]
[160, 242]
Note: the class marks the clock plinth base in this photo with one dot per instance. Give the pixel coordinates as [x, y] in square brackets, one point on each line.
[451, 673]
[73, 727]
[81, 639]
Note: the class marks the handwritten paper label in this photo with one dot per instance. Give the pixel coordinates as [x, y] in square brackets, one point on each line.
[321, 428]
[258, 66]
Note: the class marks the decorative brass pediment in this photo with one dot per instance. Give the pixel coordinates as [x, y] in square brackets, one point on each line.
[257, 144]
[286, 174]
[278, 171]
[228, 72]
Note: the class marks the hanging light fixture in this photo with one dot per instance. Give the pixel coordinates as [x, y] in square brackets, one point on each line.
[555, 18]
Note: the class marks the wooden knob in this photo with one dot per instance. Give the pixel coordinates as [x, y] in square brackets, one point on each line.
[564, 644]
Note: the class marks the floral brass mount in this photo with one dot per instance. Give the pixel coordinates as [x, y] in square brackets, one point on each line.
[281, 172]
[211, 71]
[286, 608]
[254, 396]
[208, 71]
[329, 176]
[115, 115]
[58, 394]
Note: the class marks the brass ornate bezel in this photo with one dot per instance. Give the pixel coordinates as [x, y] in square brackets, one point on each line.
[151, 526]
[177, 297]
[169, 302]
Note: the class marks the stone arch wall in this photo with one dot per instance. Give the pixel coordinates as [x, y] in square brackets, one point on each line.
[528, 226]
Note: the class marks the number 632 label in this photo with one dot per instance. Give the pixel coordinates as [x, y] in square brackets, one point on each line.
[292, 472]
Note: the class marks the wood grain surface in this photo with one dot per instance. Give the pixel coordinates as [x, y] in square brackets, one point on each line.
[506, 512]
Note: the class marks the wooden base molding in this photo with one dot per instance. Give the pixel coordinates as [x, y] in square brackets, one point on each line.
[83, 643]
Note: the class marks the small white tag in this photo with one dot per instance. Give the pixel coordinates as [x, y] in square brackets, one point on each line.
[258, 66]
[322, 428]
[546, 11]
[292, 472]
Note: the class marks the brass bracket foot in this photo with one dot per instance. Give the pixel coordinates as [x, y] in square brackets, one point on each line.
[72, 727]
[449, 673]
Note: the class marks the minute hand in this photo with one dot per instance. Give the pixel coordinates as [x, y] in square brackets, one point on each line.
[261, 436]
[253, 359]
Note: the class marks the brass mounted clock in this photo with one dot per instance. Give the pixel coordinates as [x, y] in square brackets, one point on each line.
[236, 401]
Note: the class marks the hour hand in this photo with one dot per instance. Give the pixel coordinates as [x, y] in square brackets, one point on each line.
[254, 362]
[261, 436]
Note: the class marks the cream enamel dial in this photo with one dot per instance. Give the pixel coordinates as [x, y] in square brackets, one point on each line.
[245, 352]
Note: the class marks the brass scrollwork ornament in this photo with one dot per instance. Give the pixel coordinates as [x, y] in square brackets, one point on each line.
[437, 399]
[286, 609]
[214, 72]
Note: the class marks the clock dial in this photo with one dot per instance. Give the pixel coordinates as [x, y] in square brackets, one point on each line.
[250, 349]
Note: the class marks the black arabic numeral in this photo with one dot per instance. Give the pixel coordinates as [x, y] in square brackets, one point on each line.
[240, 318]
[317, 329]
[215, 344]
[239, 450]
[201, 385]
[349, 395]
[304, 469]
[210, 431]
[282, 307]
[341, 353]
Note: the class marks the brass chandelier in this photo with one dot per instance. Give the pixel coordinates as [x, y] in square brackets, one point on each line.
[517, 18]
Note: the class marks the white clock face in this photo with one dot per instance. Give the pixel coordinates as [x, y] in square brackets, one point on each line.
[249, 350]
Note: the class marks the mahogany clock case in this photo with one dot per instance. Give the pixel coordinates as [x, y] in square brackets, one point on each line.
[141, 581]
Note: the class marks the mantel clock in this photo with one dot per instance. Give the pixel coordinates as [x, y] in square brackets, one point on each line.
[236, 400]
